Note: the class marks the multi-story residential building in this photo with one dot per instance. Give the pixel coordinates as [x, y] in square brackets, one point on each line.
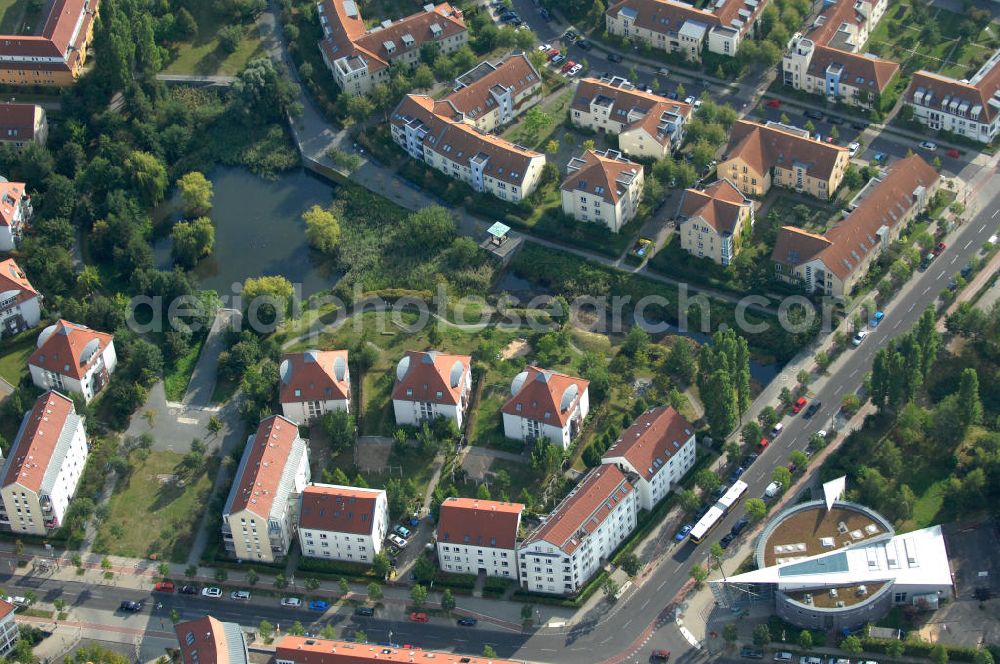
[434, 132]
[359, 58]
[343, 522]
[73, 358]
[55, 56]
[314, 382]
[23, 123]
[714, 222]
[969, 108]
[478, 537]
[760, 155]
[20, 303]
[603, 188]
[832, 264]
[561, 554]
[489, 96]
[261, 513]
[659, 448]
[15, 212]
[678, 27]
[314, 650]
[845, 25]
[647, 125]
[9, 633]
[546, 404]
[44, 466]
[858, 79]
[207, 640]
[429, 385]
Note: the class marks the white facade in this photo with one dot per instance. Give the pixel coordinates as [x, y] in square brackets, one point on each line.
[318, 541]
[8, 628]
[307, 411]
[594, 208]
[11, 230]
[88, 386]
[15, 316]
[524, 428]
[470, 559]
[36, 507]
[652, 491]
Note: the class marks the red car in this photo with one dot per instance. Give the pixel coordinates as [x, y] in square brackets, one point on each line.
[799, 404]
[762, 445]
[774, 103]
[418, 617]
[941, 246]
[660, 655]
[953, 153]
[553, 52]
[164, 587]
[569, 65]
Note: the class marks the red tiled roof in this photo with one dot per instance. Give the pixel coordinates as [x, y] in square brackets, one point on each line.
[665, 16]
[942, 88]
[834, 14]
[17, 121]
[60, 37]
[584, 509]
[261, 477]
[516, 73]
[341, 509]
[11, 194]
[869, 68]
[309, 650]
[626, 99]
[430, 376]
[763, 148]
[719, 205]
[12, 278]
[314, 375]
[33, 449]
[479, 522]
[652, 439]
[207, 641]
[611, 173]
[69, 349]
[6, 608]
[545, 396]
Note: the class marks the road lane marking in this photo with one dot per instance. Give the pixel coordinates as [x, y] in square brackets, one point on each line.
[983, 227]
[925, 290]
[644, 605]
[912, 306]
[660, 587]
[853, 373]
[967, 244]
[940, 275]
[678, 568]
[898, 322]
[995, 212]
[626, 623]
[953, 259]
[838, 390]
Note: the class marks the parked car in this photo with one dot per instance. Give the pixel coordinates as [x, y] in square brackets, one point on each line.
[762, 445]
[577, 68]
[835, 121]
[419, 617]
[810, 660]
[291, 601]
[689, 100]
[398, 541]
[811, 410]
[926, 263]
[735, 475]
[545, 14]
[544, 47]
[860, 126]
[815, 115]
[772, 489]
[720, 491]
[853, 148]
[748, 460]
[778, 428]
[164, 587]
[673, 95]
[683, 532]
[211, 591]
[664, 72]
[740, 526]
[242, 595]
[726, 540]
[559, 59]
[774, 103]
[880, 157]
[614, 57]
[799, 404]
[659, 655]
[585, 44]
[467, 621]
[751, 653]
[859, 337]
[569, 65]
[782, 656]
[876, 319]
[953, 153]
[701, 511]
[838, 660]
[402, 531]
[552, 52]
[188, 590]
[698, 104]
[366, 611]
[319, 605]
[939, 248]
[930, 146]
[130, 607]
[570, 35]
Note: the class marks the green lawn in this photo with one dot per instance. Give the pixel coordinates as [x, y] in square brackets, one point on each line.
[151, 513]
[204, 56]
[19, 17]
[14, 353]
[176, 377]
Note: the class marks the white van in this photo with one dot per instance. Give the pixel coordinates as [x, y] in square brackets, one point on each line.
[782, 656]
[778, 428]
[772, 489]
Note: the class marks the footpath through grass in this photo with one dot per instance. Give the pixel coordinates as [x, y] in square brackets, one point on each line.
[204, 56]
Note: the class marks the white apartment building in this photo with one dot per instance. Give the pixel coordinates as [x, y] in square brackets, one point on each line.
[560, 556]
[15, 212]
[314, 382]
[360, 58]
[478, 537]
[343, 522]
[9, 632]
[433, 132]
[490, 96]
[969, 108]
[546, 405]
[20, 303]
[73, 358]
[679, 27]
[602, 188]
[207, 640]
[857, 79]
[261, 513]
[647, 125]
[659, 448]
[429, 385]
[44, 466]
